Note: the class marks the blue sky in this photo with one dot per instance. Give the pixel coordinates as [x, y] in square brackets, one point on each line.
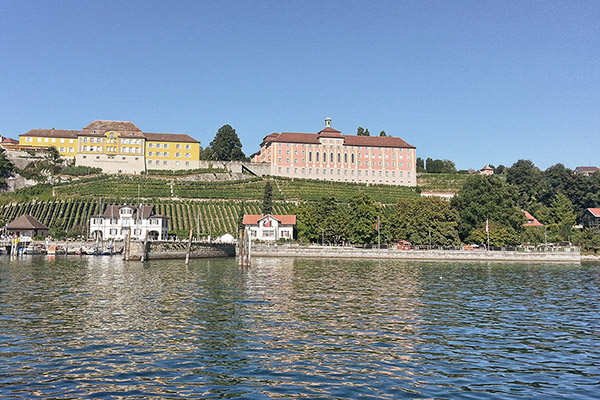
[475, 82]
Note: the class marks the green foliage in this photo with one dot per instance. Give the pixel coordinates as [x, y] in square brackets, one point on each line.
[487, 197]
[561, 218]
[382, 133]
[588, 240]
[525, 177]
[426, 220]
[420, 165]
[362, 219]
[362, 132]
[500, 235]
[533, 234]
[267, 204]
[324, 221]
[226, 146]
[6, 166]
[439, 166]
[441, 182]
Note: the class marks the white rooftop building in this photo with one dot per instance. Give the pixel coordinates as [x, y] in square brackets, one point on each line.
[117, 222]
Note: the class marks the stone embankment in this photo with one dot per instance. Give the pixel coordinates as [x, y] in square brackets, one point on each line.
[178, 250]
[572, 256]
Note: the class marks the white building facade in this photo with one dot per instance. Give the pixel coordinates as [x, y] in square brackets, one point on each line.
[270, 227]
[141, 223]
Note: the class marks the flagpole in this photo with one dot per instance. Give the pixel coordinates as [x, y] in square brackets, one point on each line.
[487, 229]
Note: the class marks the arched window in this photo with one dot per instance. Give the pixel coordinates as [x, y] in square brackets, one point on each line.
[331, 157]
[345, 158]
[352, 158]
[317, 156]
[310, 156]
[324, 157]
[339, 158]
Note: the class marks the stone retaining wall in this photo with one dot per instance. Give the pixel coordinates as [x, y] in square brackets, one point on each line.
[178, 250]
[442, 255]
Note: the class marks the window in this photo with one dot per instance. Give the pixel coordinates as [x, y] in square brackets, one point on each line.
[165, 162]
[46, 140]
[331, 157]
[324, 157]
[188, 146]
[71, 150]
[318, 157]
[150, 153]
[62, 149]
[150, 145]
[279, 151]
[158, 145]
[188, 155]
[166, 145]
[352, 158]
[177, 146]
[125, 141]
[187, 163]
[149, 161]
[177, 163]
[310, 156]
[71, 141]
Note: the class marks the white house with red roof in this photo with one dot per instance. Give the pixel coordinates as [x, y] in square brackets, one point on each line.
[270, 227]
[329, 155]
[487, 170]
[591, 218]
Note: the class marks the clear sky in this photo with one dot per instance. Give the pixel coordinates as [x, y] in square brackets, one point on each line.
[475, 82]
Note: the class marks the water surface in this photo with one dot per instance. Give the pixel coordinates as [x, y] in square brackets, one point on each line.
[99, 327]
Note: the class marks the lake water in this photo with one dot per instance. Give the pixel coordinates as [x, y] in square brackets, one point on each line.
[102, 328]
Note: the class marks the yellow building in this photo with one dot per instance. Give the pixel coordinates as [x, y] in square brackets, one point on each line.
[118, 146]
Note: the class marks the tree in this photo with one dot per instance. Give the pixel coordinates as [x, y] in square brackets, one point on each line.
[526, 177]
[487, 198]
[362, 219]
[326, 220]
[226, 146]
[6, 166]
[425, 220]
[500, 235]
[562, 217]
[267, 205]
[420, 165]
[362, 132]
[382, 133]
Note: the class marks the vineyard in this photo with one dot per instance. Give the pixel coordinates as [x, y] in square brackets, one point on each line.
[247, 189]
[205, 218]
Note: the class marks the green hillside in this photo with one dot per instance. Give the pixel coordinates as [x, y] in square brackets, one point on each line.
[208, 208]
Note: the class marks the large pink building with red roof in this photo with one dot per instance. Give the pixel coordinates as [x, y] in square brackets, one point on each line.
[329, 155]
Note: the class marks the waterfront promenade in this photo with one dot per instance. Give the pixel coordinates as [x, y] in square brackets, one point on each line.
[563, 255]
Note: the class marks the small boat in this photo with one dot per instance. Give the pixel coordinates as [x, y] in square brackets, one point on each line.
[56, 249]
[36, 248]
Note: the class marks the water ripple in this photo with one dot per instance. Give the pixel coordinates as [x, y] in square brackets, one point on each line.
[319, 329]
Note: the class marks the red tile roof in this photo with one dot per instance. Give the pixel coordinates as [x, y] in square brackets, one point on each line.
[56, 133]
[595, 211]
[349, 140]
[531, 220]
[169, 137]
[250, 219]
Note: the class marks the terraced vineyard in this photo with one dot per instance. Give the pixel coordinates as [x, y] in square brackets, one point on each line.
[445, 183]
[248, 189]
[205, 218]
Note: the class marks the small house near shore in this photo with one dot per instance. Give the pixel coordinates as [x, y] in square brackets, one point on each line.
[270, 227]
[27, 227]
[532, 221]
[591, 218]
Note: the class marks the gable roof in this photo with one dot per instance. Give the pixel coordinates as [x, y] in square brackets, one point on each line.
[56, 133]
[595, 212]
[143, 212]
[26, 222]
[531, 220]
[349, 140]
[118, 126]
[169, 137]
[587, 169]
[253, 219]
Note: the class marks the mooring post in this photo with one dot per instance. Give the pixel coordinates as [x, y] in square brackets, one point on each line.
[189, 248]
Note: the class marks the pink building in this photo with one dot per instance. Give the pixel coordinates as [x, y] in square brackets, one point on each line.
[329, 155]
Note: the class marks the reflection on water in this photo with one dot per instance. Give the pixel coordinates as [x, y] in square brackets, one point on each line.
[99, 327]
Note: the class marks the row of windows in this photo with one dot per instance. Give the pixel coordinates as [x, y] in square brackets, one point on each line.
[166, 146]
[29, 139]
[363, 155]
[166, 154]
[363, 148]
[339, 172]
[165, 162]
[360, 163]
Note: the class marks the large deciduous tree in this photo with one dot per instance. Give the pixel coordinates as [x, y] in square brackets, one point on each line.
[487, 198]
[362, 219]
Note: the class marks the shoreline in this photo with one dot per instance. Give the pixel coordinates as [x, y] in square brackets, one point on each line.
[415, 255]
